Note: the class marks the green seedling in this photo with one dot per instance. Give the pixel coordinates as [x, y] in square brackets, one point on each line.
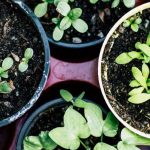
[23, 66]
[6, 65]
[115, 3]
[77, 127]
[67, 17]
[141, 82]
[5, 87]
[143, 53]
[71, 17]
[133, 22]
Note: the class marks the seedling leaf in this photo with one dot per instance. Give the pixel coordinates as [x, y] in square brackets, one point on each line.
[135, 27]
[23, 67]
[32, 143]
[139, 98]
[148, 40]
[131, 138]
[63, 8]
[80, 25]
[41, 9]
[134, 83]
[137, 74]
[94, 118]
[123, 58]
[111, 124]
[129, 3]
[145, 71]
[58, 34]
[5, 87]
[64, 138]
[65, 23]
[66, 95]
[76, 123]
[115, 3]
[46, 141]
[124, 146]
[75, 13]
[7, 63]
[104, 146]
[28, 53]
[136, 91]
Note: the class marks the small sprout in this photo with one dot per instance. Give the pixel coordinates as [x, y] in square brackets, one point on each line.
[5, 87]
[133, 22]
[6, 65]
[23, 66]
[143, 54]
[70, 18]
[141, 81]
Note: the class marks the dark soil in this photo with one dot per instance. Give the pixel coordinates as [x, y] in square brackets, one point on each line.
[53, 117]
[17, 33]
[98, 26]
[119, 76]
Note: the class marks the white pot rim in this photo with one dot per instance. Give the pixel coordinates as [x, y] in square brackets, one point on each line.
[120, 21]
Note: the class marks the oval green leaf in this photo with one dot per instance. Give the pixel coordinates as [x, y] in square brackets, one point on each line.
[136, 91]
[80, 25]
[7, 63]
[123, 58]
[137, 74]
[139, 98]
[41, 9]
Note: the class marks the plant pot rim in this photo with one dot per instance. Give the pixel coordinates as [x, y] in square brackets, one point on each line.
[32, 118]
[75, 45]
[113, 29]
[26, 10]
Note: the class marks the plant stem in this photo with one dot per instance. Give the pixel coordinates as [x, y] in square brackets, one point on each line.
[83, 145]
[102, 138]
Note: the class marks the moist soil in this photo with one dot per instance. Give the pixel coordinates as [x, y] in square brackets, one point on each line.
[17, 33]
[99, 17]
[116, 82]
[53, 117]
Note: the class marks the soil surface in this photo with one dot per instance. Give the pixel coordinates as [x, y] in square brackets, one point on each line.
[17, 33]
[53, 117]
[116, 82]
[99, 17]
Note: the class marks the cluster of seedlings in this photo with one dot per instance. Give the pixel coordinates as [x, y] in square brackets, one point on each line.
[68, 16]
[79, 127]
[7, 64]
[141, 80]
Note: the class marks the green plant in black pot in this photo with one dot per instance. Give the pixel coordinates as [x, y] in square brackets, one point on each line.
[68, 17]
[83, 122]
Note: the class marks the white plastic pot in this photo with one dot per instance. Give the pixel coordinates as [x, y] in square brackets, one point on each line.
[100, 65]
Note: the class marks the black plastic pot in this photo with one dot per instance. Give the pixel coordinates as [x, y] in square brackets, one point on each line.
[72, 52]
[37, 93]
[34, 117]
[76, 52]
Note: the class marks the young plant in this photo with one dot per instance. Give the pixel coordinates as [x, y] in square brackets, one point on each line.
[142, 54]
[70, 18]
[133, 22]
[141, 82]
[115, 3]
[5, 87]
[23, 66]
[77, 127]
[6, 65]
